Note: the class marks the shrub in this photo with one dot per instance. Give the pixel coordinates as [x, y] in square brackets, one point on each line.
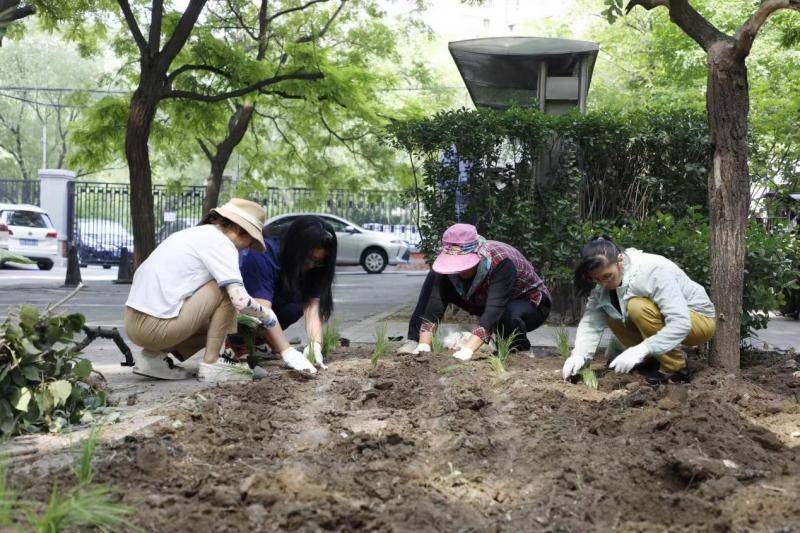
[42, 376]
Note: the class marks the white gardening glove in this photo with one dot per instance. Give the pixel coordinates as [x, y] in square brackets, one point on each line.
[269, 319]
[316, 349]
[465, 354]
[421, 348]
[628, 359]
[573, 365]
[297, 361]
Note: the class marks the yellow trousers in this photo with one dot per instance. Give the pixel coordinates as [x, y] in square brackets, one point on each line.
[645, 320]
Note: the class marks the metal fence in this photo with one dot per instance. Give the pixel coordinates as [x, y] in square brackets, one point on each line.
[19, 192]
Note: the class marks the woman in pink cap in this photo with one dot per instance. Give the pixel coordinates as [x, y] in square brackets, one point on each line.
[488, 279]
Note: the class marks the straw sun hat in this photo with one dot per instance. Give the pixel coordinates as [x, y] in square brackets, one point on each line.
[247, 215]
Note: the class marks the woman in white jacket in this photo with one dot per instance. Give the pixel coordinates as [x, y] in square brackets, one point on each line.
[650, 305]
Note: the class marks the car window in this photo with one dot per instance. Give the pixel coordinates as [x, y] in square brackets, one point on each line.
[28, 219]
[338, 226]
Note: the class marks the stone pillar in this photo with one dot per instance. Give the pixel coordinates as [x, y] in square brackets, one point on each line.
[54, 192]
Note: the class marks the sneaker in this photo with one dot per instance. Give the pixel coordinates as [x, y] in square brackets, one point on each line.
[408, 347]
[224, 371]
[158, 365]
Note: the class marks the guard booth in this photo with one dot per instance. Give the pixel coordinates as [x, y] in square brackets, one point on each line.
[553, 74]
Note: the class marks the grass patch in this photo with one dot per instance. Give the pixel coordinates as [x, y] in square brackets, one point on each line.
[498, 361]
[586, 375]
[381, 344]
[330, 336]
[451, 369]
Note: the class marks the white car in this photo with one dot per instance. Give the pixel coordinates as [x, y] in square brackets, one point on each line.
[372, 250]
[27, 230]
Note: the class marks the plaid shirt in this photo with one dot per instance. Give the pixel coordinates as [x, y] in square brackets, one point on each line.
[528, 285]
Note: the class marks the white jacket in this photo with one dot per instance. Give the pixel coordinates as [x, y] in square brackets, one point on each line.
[650, 276]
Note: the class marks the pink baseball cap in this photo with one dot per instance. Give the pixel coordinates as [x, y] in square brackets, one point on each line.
[459, 245]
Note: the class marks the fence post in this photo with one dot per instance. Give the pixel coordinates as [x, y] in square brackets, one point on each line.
[55, 198]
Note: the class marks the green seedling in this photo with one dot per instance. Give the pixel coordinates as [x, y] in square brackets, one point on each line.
[381, 344]
[451, 369]
[498, 361]
[83, 470]
[586, 374]
[330, 336]
[437, 342]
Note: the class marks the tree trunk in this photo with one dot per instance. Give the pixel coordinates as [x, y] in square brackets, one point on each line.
[729, 196]
[142, 111]
[237, 127]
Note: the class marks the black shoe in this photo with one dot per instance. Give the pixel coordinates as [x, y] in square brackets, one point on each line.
[660, 378]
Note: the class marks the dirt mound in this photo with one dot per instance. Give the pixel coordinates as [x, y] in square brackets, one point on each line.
[422, 445]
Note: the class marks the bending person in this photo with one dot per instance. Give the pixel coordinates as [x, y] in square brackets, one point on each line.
[294, 278]
[185, 296]
[488, 279]
[650, 305]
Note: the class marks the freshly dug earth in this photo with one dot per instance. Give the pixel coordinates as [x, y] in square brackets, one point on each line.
[421, 444]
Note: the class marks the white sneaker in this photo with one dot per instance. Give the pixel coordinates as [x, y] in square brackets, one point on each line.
[157, 365]
[408, 347]
[224, 371]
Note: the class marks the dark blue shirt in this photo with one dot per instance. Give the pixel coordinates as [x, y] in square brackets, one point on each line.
[261, 273]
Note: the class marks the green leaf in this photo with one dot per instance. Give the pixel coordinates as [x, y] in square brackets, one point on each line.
[28, 316]
[29, 347]
[82, 369]
[20, 399]
[31, 373]
[60, 390]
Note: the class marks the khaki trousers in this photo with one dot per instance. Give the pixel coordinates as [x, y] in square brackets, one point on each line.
[645, 320]
[205, 318]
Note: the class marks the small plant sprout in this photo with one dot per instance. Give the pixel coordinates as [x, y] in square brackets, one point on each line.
[381, 344]
[330, 336]
[83, 469]
[586, 374]
[437, 342]
[498, 361]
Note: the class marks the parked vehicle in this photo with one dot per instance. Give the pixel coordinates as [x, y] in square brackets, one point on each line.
[100, 241]
[26, 230]
[356, 246]
[170, 227]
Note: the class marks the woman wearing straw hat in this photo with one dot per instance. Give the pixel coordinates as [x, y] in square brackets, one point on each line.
[489, 279]
[185, 296]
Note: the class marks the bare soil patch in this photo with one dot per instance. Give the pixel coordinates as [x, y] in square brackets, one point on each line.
[422, 444]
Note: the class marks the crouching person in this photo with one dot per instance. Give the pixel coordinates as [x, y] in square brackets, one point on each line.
[185, 296]
[488, 279]
[650, 305]
[293, 277]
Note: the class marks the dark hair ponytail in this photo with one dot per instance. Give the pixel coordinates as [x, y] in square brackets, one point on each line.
[304, 235]
[601, 251]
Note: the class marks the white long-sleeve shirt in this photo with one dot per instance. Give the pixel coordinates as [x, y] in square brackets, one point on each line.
[658, 279]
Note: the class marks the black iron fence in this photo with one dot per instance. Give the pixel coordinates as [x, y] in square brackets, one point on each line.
[102, 219]
[19, 192]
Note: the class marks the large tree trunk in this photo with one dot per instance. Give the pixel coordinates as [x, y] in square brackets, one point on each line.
[142, 111]
[237, 127]
[729, 196]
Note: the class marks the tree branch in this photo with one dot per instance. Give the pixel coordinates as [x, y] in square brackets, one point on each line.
[182, 32]
[292, 9]
[189, 67]
[310, 37]
[133, 26]
[157, 14]
[748, 31]
[242, 25]
[686, 18]
[191, 95]
[205, 149]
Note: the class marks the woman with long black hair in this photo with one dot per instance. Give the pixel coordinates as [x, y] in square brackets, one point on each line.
[294, 278]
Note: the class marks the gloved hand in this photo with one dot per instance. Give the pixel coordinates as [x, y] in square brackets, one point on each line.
[295, 360]
[316, 349]
[573, 365]
[628, 359]
[421, 347]
[269, 319]
[465, 354]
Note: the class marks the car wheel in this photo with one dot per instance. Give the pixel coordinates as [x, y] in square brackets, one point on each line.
[44, 265]
[374, 260]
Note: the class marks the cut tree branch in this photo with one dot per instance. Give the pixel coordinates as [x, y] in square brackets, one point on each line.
[133, 26]
[191, 95]
[747, 33]
[686, 18]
